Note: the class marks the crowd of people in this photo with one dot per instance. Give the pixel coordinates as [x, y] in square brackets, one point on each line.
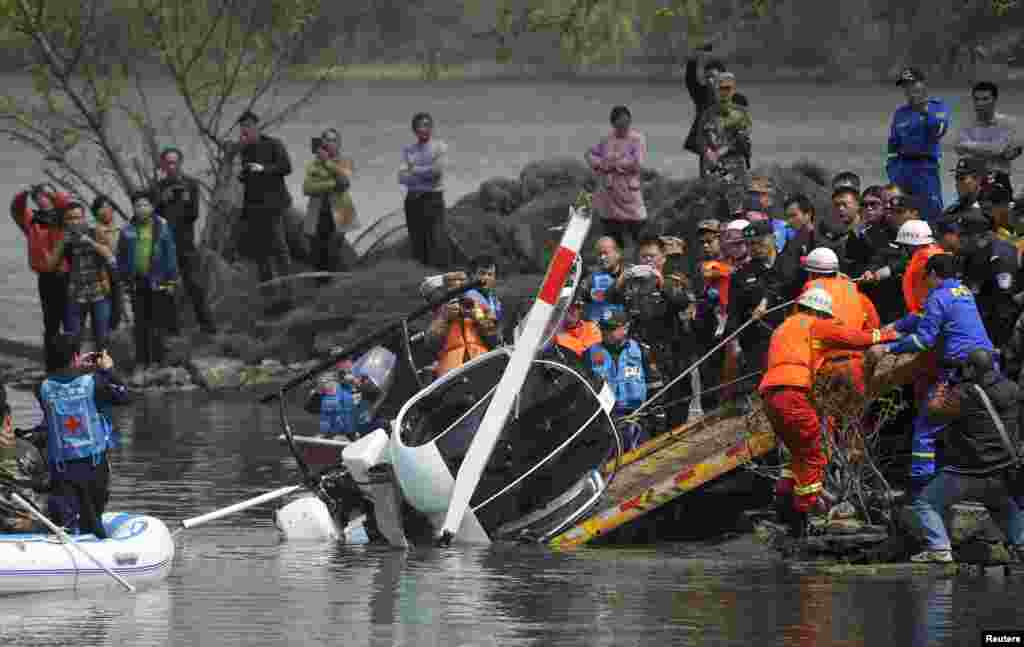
[772, 295]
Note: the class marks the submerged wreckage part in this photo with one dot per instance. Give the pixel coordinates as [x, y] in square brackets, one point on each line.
[544, 473]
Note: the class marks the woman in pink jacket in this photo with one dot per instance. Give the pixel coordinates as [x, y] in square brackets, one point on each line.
[617, 160]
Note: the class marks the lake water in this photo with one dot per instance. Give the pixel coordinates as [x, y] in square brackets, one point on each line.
[234, 583]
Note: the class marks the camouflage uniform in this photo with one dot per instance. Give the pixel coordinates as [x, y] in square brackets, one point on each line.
[728, 125]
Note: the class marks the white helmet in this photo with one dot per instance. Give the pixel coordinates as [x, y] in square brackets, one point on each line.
[822, 260]
[816, 299]
[735, 230]
[915, 232]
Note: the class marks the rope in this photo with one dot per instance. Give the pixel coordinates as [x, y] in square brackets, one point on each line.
[711, 352]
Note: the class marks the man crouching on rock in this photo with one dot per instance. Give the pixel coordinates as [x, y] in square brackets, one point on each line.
[78, 435]
[981, 452]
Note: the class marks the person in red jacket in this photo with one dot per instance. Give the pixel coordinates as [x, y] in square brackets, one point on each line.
[43, 227]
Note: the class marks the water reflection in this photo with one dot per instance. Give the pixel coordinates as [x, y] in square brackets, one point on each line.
[87, 619]
[235, 583]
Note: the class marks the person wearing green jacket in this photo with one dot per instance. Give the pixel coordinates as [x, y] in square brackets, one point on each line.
[330, 210]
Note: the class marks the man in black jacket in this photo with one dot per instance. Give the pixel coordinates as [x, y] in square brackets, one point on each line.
[799, 214]
[990, 271]
[177, 196]
[753, 289]
[704, 92]
[982, 444]
[265, 163]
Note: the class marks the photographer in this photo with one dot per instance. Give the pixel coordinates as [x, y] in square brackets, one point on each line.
[460, 328]
[265, 163]
[981, 456]
[78, 435]
[43, 228]
[177, 197]
[90, 267]
[330, 210]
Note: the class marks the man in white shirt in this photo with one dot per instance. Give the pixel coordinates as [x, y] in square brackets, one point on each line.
[993, 137]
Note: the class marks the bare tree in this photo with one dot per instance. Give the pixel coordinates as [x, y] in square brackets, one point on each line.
[99, 113]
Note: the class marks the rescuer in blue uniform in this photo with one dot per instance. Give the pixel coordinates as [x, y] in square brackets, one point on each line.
[915, 142]
[950, 318]
[78, 437]
[619, 360]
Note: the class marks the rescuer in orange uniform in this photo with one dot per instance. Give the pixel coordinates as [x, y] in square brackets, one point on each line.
[850, 307]
[796, 351]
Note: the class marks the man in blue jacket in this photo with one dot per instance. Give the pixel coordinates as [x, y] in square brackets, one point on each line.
[147, 261]
[915, 142]
[950, 321]
[78, 436]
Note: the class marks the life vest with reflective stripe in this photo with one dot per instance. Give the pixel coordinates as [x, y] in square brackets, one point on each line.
[626, 377]
[73, 425]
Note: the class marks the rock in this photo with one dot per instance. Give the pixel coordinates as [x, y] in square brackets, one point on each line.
[271, 364]
[561, 172]
[969, 522]
[216, 372]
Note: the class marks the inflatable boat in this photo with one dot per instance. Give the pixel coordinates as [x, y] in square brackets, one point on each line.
[139, 548]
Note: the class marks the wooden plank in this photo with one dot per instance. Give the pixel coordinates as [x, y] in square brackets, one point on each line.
[665, 475]
[658, 442]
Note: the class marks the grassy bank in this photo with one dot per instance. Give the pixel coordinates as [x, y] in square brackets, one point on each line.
[487, 71]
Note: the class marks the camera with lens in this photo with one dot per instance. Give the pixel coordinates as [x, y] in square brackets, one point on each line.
[317, 144]
[47, 217]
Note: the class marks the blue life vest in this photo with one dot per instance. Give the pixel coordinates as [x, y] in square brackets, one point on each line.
[627, 377]
[344, 412]
[598, 307]
[74, 426]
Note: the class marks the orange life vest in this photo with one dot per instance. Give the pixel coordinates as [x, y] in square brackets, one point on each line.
[791, 358]
[580, 337]
[462, 344]
[915, 285]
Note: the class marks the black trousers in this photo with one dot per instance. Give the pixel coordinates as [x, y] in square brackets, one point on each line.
[189, 267]
[79, 495]
[425, 221]
[53, 296]
[266, 242]
[152, 311]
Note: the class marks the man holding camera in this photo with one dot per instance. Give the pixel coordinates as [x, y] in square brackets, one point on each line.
[265, 163]
[981, 456]
[44, 228]
[78, 435]
[177, 196]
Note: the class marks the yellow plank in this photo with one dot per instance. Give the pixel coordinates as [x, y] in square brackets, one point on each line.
[687, 478]
[658, 442]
